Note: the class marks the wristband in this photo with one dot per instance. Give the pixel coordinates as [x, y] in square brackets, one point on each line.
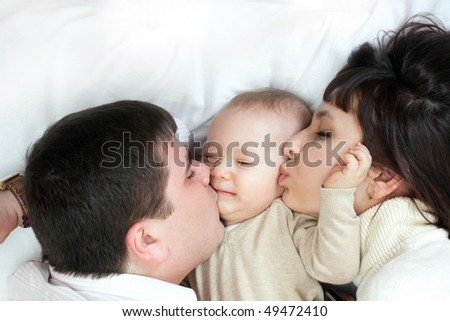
[14, 183]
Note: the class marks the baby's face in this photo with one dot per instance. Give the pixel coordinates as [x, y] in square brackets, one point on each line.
[244, 153]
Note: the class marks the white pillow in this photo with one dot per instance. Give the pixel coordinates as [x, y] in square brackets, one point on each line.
[189, 56]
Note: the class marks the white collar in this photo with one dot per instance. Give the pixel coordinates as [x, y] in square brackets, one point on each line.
[122, 287]
[39, 280]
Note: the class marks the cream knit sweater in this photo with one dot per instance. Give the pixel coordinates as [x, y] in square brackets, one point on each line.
[271, 256]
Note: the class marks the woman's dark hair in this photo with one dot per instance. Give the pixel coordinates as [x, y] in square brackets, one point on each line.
[90, 177]
[399, 89]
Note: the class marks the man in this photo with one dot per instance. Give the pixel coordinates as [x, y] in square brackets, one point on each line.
[118, 209]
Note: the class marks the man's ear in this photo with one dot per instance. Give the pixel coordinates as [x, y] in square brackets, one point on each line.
[384, 182]
[143, 243]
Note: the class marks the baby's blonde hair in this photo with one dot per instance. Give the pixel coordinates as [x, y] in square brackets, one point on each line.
[272, 99]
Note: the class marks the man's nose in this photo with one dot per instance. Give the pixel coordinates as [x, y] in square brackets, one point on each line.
[202, 172]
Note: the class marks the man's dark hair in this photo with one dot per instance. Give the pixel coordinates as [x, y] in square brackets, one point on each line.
[91, 176]
[400, 91]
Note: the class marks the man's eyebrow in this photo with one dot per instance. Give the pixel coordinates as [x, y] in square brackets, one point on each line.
[188, 162]
[323, 113]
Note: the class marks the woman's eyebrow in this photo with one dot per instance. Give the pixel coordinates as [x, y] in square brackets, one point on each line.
[323, 113]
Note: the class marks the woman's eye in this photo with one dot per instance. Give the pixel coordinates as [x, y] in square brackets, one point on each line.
[322, 134]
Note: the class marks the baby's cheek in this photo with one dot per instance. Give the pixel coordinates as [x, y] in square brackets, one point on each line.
[272, 189]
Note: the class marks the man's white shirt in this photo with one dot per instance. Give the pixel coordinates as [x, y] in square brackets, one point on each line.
[37, 281]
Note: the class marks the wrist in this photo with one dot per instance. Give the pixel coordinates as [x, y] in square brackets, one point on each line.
[11, 208]
[340, 184]
[13, 195]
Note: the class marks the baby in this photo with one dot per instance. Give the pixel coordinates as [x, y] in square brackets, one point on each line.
[260, 257]
[257, 259]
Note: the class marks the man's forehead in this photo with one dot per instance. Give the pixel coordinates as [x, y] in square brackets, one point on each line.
[178, 155]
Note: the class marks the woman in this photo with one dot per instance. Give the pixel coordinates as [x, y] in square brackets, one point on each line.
[394, 97]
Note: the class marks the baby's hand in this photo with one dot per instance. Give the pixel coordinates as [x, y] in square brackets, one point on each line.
[353, 172]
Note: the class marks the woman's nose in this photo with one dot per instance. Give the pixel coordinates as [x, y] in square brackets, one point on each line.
[292, 148]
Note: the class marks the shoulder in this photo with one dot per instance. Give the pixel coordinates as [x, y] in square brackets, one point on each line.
[406, 281]
[33, 269]
[293, 221]
[31, 282]
[279, 208]
[279, 205]
[420, 273]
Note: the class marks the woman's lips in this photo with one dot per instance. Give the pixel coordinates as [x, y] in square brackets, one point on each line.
[283, 174]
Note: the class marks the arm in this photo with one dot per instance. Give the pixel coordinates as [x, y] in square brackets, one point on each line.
[330, 248]
[10, 214]
[13, 208]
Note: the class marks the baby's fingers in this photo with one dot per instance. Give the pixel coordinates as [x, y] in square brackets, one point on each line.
[350, 160]
[362, 154]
